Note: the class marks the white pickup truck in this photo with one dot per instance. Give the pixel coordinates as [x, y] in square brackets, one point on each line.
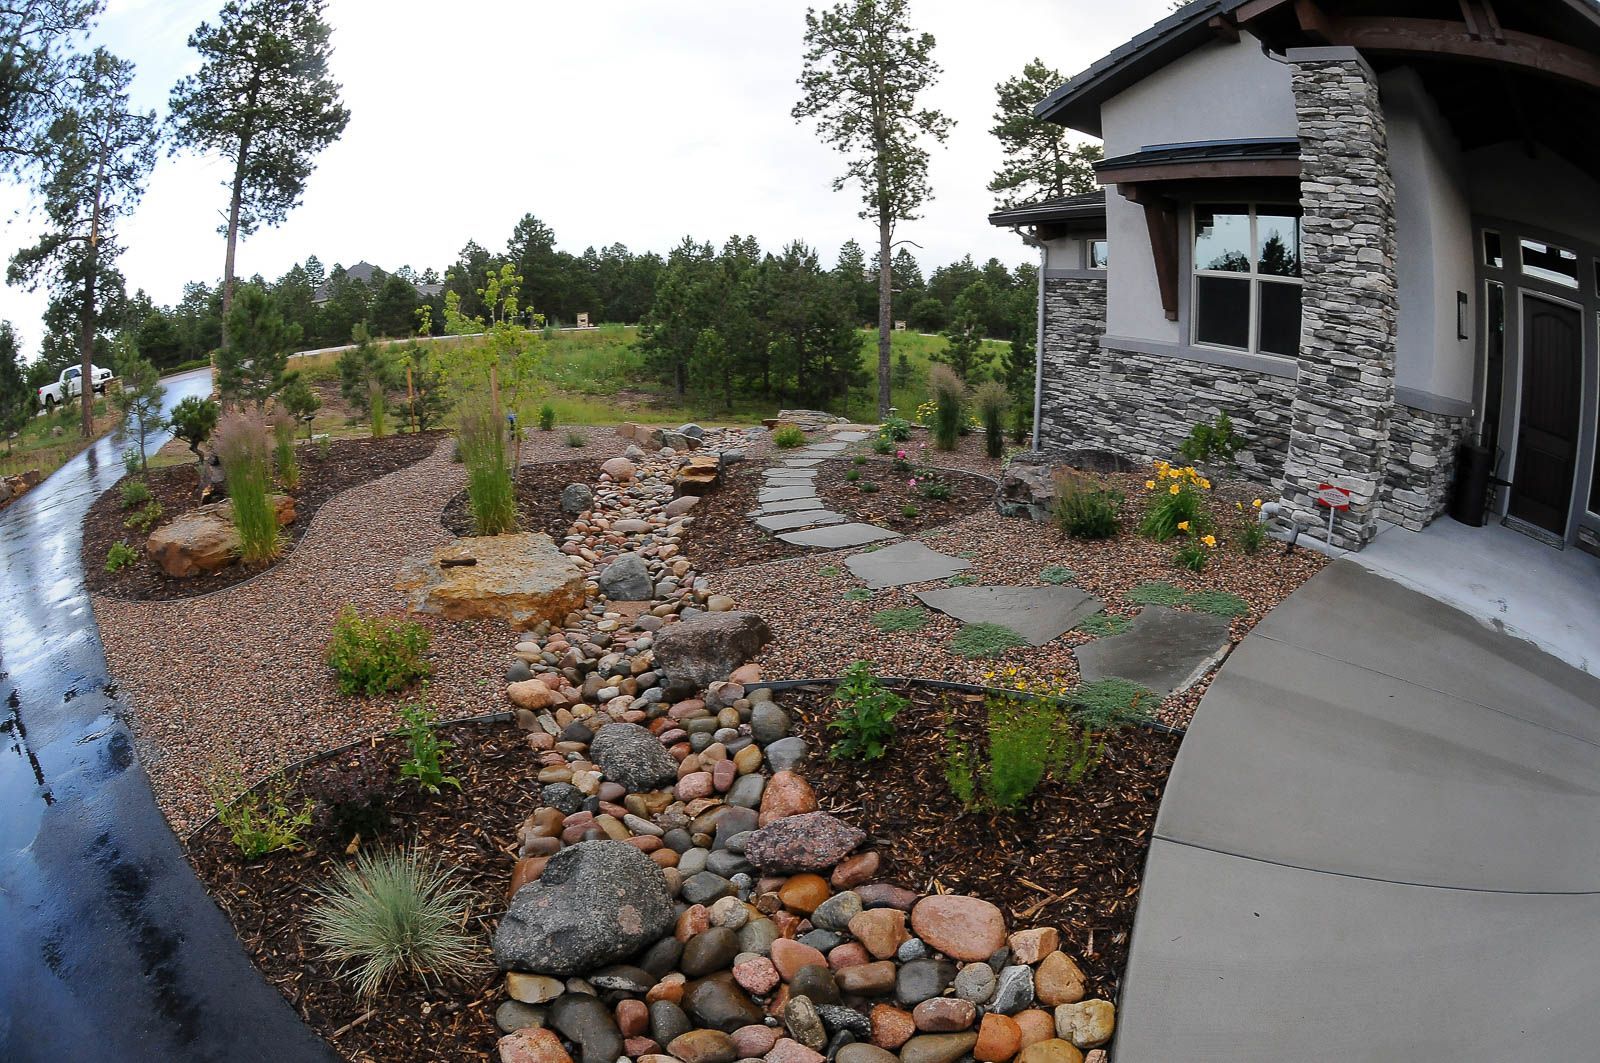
[70, 385]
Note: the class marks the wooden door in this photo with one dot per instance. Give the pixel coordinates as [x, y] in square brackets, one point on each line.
[1547, 432]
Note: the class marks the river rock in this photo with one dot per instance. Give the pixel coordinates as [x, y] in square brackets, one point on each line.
[965, 928]
[718, 1003]
[1054, 1050]
[582, 1018]
[699, 651]
[575, 498]
[633, 757]
[596, 903]
[532, 1044]
[1058, 980]
[709, 951]
[1087, 1024]
[812, 842]
[627, 579]
[619, 469]
[703, 1046]
[937, 1047]
[922, 980]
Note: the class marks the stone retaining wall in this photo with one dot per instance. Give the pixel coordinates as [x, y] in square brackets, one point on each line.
[1422, 465]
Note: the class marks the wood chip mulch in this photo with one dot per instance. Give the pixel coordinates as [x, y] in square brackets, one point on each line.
[723, 536]
[538, 494]
[268, 899]
[346, 463]
[1073, 858]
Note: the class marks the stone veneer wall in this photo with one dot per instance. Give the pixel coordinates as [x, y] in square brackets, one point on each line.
[1142, 406]
[1422, 465]
[1345, 391]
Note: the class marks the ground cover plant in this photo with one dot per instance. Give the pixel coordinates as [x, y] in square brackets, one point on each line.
[259, 820]
[863, 715]
[900, 620]
[424, 764]
[985, 640]
[376, 655]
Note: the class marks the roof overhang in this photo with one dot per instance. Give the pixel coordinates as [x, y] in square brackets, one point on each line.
[1087, 211]
[1203, 160]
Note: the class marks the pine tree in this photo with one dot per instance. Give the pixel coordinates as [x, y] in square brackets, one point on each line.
[1040, 161]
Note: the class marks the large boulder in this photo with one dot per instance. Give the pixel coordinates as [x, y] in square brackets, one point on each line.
[633, 757]
[704, 649]
[627, 579]
[520, 578]
[596, 903]
[815, 841]
[204, 540]
[575, 498]
[699, 475]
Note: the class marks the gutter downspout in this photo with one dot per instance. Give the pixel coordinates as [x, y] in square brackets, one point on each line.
[1033, 240]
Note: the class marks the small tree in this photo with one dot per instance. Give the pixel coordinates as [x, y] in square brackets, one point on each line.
[713, 365]
[428, 396]
[139, 400]
[367, 376]
[963, 339]
[299, 399]
[250, 366]
[193, 420]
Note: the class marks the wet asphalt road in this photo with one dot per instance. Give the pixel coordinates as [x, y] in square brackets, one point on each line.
[110, 948]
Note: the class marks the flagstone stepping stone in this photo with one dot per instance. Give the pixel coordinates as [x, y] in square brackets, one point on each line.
[904, 562]
[781, 494]
[1166, 650]
[789, 479]
[803, 519]
[788, 505]
[816, 450]
[1038, 614]
[802, 463]
[839, 535]
[849, 437]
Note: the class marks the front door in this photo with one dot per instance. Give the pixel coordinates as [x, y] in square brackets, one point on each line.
[1547, 431]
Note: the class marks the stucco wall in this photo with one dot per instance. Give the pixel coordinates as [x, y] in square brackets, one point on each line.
[1433, 218]
[1219, 92]
[1545, 191]
[1067, 252]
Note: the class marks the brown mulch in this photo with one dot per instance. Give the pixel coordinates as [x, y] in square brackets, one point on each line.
[1072, 859]
[538, 494]
[723, 536]
[268, 899]
[818, 633]
[345, 464]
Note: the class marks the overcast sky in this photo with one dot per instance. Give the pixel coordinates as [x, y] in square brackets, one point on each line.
[636, 121]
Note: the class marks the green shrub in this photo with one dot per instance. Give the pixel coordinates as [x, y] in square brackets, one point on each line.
[852, 475]
[1250, 531]
[985, 640]
[1193, 555]
[830, 571]
[909, 511]
[881, 445]
[867, 487]
[992, 401]
[134, 493]
[246, 453]
[299, 400]
[489, 490]
[1102, 624]
[864, 717]
[949, 397]
[858, 594]
[1027, 739]
[1085, 511]
[1217, 603]
[146, 518]
[120, 556]
[934, 490]
[904, 620]
[1057, 574]
[283, 454]
[1177, 504]
[1112, 704]
[547, 418]
[577, 439]
[788, 437]
[424, 764]
[259, 821]
[395, 913]
[859, 459]
[132, 461]
[1021, 423]
[193, 420]
[1215, 442]
[371, 656]
[1155, 594]
[894, 430]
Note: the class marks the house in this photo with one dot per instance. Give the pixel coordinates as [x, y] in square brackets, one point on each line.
[1369, 230]
[364, 272]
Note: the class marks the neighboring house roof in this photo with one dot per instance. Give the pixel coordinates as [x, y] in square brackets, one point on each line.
[1089, 207]
[1264, 156]
[364, 271]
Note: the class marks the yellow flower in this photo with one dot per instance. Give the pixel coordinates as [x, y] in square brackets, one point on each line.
[1256, 503]
[1205, 483]
[1210, 540]
[1183, 525]
[1174, 489]
[1149, 485]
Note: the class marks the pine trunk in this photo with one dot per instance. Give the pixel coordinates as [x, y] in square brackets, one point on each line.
[233, 244]
[885, 312]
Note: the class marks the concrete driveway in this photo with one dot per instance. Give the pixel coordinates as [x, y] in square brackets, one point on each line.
[1381, 841]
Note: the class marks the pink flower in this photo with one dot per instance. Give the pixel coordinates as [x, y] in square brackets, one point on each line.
[899, 453]
[911, 482]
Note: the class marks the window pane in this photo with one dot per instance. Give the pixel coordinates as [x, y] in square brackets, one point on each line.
[1222, 312]
[1278, 229]
[1279, 332]
[1099, 254]
[1493, 256]
[1549, 262]
[1222, 238]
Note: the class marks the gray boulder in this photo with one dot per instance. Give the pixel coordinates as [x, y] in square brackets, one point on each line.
[692, 430]
[575, 498]
[627, 579]
[633, 757]
[700, 651]
[596, 903]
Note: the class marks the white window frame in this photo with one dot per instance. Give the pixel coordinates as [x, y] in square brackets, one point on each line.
[1255, 278]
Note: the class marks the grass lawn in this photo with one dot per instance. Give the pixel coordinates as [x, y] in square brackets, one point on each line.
[37, 447]
[598, 376]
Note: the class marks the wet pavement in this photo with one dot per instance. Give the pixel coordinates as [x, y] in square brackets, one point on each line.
[109, 946]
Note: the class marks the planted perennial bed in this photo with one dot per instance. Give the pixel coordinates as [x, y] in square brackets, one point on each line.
[345, 463]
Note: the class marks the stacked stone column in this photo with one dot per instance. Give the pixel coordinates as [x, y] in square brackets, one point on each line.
[1345, 386]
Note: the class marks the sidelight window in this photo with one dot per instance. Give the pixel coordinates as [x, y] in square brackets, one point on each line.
[1247, 277]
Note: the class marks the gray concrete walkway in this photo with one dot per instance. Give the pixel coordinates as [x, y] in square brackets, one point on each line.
[1381, 841]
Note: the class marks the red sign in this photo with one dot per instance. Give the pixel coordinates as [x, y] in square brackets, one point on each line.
[1333, 497]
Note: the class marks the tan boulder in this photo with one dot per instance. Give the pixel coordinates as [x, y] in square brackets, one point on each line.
[204, 540]
[697, 476]
[519, 578]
